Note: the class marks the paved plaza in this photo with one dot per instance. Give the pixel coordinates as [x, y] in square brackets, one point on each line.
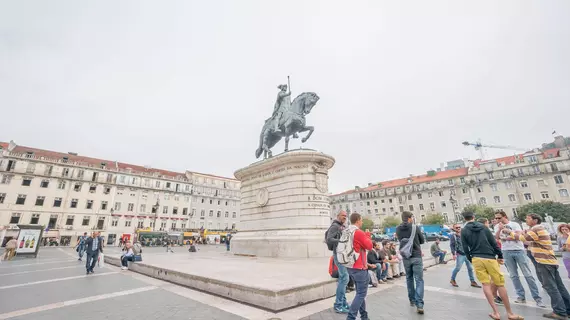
[54, 286]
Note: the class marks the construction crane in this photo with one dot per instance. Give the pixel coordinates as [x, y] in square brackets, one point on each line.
[479, 147]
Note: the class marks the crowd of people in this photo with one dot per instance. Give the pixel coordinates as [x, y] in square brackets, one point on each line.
[483, 246]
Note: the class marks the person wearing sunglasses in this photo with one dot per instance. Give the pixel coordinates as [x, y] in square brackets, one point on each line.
[459, 257]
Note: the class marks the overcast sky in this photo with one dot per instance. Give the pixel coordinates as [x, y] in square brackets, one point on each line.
[187, 84]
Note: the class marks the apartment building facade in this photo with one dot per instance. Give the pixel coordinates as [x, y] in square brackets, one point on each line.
[505, 183]
[71, 194]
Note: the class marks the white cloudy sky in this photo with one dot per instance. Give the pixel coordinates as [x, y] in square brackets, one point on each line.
[187, 84]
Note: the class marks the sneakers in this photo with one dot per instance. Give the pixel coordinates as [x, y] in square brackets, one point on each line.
[540, 304]
[498, 301]
[520, 300]
[412, 304]
[552, 315]
[124, 268]
[475, 284]
[403, 274]
[342, 310]
[420, 310]
[453, 283]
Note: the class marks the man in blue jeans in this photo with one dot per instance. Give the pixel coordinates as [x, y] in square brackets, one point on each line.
[332, 236]
[459, 257]
[515, 257]
[414, 264]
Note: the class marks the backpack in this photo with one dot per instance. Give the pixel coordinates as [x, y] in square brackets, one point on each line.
[137, 248]
[345, 249]
[82, 240]
[330, 246]
[407, 244]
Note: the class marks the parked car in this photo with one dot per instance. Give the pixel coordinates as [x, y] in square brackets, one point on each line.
[432, 236]
[379, 237]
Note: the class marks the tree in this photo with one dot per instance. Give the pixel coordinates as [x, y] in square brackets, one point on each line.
[434, 219]
[367, 224]
[481, 211]
[390, 222]
[560, 212]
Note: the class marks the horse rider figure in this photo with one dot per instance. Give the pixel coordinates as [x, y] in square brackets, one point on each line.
[281, 105]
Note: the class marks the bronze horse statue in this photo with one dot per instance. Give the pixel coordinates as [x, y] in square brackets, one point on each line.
[291, 122]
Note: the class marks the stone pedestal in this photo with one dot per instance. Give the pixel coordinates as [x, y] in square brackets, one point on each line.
[285, 209]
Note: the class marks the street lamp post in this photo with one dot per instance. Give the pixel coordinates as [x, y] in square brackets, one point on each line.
[155, 208]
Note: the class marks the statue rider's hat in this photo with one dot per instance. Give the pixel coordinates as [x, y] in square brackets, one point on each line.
[282, 86]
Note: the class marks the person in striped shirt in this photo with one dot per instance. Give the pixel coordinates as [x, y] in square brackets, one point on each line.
[540, 247]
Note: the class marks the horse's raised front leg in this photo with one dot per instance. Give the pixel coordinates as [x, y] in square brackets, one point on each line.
[310, 129]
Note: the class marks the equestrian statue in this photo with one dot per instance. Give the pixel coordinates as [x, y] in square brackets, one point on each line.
[287, 120]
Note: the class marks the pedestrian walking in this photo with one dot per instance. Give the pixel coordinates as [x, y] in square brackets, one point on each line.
[459, 256]
[80, 245]
[563, 232]
[481, 249]
[516, 257]
[358, 244]
[332, 236]
[540, 247]
[93, 246]
[413, 264]
[228, 239]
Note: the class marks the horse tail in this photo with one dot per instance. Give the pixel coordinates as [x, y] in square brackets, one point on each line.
[259, 150]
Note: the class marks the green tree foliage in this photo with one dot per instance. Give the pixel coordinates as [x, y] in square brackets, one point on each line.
[391, 222]
[560, 212]
[481, 211]
[434, 219]
[367, 224]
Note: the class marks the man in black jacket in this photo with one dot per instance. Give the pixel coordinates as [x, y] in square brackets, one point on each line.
[332, 236]
[482, 251]
[93, 245]
[414, 264]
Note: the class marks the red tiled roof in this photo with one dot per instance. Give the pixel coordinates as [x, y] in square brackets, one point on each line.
[441, 175]
[95, 162]
[551, 153]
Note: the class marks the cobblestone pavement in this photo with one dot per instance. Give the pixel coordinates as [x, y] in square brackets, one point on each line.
[54, 286]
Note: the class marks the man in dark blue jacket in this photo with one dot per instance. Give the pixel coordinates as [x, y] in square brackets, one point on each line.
[459, 257]
[93, 245]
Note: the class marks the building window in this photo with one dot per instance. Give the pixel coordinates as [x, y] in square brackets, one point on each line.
[211, 213]
[440, 193]
[421, 207]
[234, 215]
[443, 204]
[419, 196]
[464, 190]
[544, 195]
[494, 187]
[480, 189]
[104, 205]
[176, 197]
[128, 222]
[202, 213]
[173, 226]
[432, 206]
[512, 198]
[175, 210]
[563, 193]
[467, 201]
[117, 206]
[491, 176]
[527, 196]
[165, 209]
[21, 199]
[497, 199]
[524, 184]
[89, 204]
[115, 222]
[69, 220]
[540, 183]
[26, 181]
[166, 196]
[40, 201]
[73, 203]
[6, 178]
[218, 214]
[80, 174]
[184, 211]
[140, 224]
[130, 207]
[409, 198]
[15, 219]
[44, 183]
[483, 201]
[193, 212]
[61, 185]
[85, 221]
[509, 184]
[558, 180]
[31, 167]
[77, 187]
[143, 208]
[93, 188]
[2, 197]
[450, 182]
